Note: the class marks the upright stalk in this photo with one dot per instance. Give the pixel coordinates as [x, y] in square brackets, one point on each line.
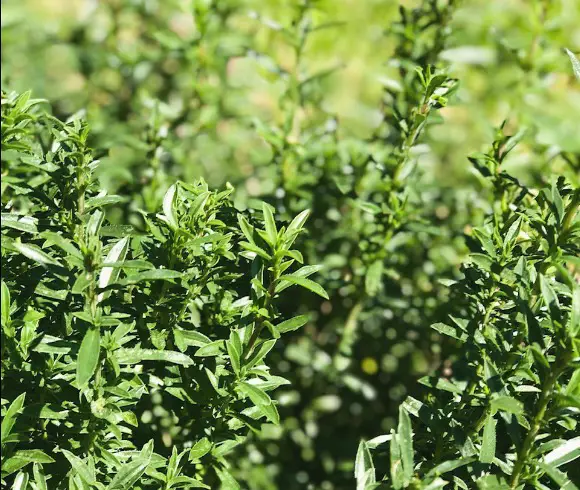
[541, 407]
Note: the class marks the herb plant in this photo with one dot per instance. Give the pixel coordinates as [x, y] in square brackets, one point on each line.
[159, 334]
[504, 415]
[98, 317]
[369, 207]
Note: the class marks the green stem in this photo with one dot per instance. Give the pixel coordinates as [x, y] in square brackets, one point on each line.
[571, 213]
[475, 379]
[542, 405]
[267, 301]
[408, 143]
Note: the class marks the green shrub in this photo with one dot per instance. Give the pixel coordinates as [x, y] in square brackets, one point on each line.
[362, 112]
[97, 318]
[372, 230]
[503, 415]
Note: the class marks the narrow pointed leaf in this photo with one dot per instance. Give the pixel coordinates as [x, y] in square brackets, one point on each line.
[36, 254]
[88, 357]
[305, 283]
[575, 63]
[292, 323]
[5, 304]
[270, 224]
[487, 452]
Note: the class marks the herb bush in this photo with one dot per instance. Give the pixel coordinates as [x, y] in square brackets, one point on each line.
[504, 414]
[370, 229]
[173, 92]
[92, 322]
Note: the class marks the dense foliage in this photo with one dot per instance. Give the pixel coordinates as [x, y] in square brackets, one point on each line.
[518, 324]
[82, 309]
[142, 311]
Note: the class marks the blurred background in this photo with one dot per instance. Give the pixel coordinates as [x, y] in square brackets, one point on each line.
[187, 89]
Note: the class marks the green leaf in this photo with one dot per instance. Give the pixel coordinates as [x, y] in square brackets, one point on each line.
[130, 473]
[252, 247]
[373, 278]
[200, 448]
[88, 357]
[117, 253]
[564, 453]
[484, 262]
[153, 275]
[574, 322]
[449, 466]
[20, 223]
[364, 469]
[33, 456]
[234, 354]
[377, 441]
[261, 399]
[199, 203]
[20, 482]
[492, 482]
[512, 233]
[188, 482]
[441, 384]
[39, 477]
[52, 345]
[270, 225]
[129, 264]
[487, 452]
[228, 482]
[575, 63]
[100, 201]
[559, 477]
[212, 349]
[80, 467]
[304, 271]
[271, 412]
[450, 331]
[260, 353]
[136, 355]
[397, 472]
[22, 458]
[45, 411]
[548, 292]
[186, 338]
[258, 396]
[94, 224]
[292, 323]
[305, 283]
[512, 142]
[295, 227]
[5, 304]
[62, 243]
[405, 440]
[169, 201]
[82, 282]
[436, 484]
[174, 460]
[36, 254]
[486, 241]
[507, 404]
[247, 228]
[294, 254]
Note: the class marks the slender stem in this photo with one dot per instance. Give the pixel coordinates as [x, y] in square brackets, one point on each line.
[571, 213]
[470, 389]
[267, 301]
[542, 405]
[409, 141]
